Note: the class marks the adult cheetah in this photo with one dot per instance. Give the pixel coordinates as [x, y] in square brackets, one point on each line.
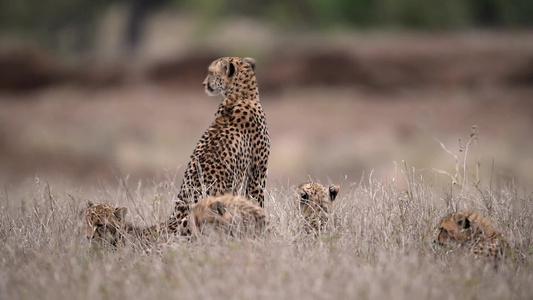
[232, 154]
[314, 202]
[470, 231]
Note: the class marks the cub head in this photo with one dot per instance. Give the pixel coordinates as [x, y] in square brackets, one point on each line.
[209, 212]
[104, 221]
[455, 229]
[235, 215]
[229, 75]
[314, 201]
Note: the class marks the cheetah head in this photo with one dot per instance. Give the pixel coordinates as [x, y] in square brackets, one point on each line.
[104, 221]
[454, 229]
[314, 201]
[229, 75]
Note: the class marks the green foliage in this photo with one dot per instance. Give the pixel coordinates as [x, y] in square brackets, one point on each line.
[56, 23]
[69, 25]
[419, 14]
[343, 12]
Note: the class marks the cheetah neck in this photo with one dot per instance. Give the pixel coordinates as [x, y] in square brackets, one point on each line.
[231, 101]
[247, 91]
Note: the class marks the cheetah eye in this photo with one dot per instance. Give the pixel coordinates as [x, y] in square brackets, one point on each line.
[99, 225]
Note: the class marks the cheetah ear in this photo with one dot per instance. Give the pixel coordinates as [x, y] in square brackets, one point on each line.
[218, 208]
[89, 203]
[333, 191]
[304, 197]
[120, 212]
[463, 221]
[250, 61]
[229, 67]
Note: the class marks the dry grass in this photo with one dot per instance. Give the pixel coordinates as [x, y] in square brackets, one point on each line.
[378, 248]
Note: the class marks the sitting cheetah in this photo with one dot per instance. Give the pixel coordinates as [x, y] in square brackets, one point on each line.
[314, 201]
[473, 232]
[235, 215]
[232, 154]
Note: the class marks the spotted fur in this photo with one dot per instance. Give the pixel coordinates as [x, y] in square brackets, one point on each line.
[106, 223]
[314, 201]
[469, 230]
[235, 215]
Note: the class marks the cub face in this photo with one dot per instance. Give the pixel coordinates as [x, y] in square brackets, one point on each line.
[314, 201]
[104, 221]
[454, 229]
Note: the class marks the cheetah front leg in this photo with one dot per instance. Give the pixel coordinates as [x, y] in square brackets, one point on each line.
[256, 186]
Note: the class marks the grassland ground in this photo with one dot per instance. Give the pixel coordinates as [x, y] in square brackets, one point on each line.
[378, 246]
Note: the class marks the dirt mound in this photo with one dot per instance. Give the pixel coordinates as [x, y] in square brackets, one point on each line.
[407, 66]
[24, 67]
[397, 68]
[333, 67]
[450, 62]
[184, 70]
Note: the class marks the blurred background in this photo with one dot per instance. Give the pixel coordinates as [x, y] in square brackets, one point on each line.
[93, 89]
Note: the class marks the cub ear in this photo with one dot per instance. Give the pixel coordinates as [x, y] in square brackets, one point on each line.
[120, 212]
[229, 67]
[250, 61]
[304, 196]
[218, 208]
[463, 221]
[89, 203]
[333, 191]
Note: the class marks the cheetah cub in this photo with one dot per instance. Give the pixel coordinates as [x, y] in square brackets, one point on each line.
[470, 231]
[235, 215]
[314, 202]
[108, 224]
